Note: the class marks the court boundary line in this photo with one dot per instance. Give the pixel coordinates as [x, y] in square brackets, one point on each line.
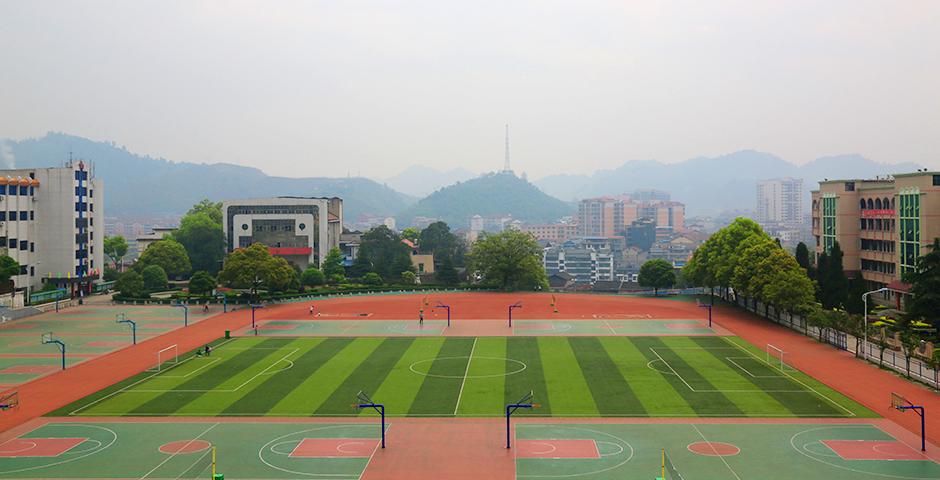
[695, 427]
[172, 456]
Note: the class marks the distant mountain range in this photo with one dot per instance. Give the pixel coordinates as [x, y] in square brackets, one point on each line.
[708, 185]
[421, 181]
[141, 185]
[494, 194]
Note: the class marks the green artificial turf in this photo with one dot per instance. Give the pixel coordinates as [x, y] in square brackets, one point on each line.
[570, 376]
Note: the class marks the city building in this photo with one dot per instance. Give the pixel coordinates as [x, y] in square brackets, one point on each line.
[551, 232]
[300, 229]
[780, 201]
[609, 216]
[423, 262]
[583, 262]
[641, 234]
[668, 215]
[52, 224]
[158, 233]
[882, 225]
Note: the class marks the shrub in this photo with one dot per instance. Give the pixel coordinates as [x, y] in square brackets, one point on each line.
[154, 277]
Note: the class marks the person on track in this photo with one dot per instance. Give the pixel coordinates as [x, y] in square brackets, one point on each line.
[421, 316]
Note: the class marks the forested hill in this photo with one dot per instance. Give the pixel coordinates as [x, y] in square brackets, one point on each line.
[488, 195]
[142, 185]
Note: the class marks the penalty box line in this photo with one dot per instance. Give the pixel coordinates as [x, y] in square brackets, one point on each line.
[215, 390]
[148, 377]
[807, 390]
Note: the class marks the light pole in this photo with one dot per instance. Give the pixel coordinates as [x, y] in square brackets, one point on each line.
[865, 319]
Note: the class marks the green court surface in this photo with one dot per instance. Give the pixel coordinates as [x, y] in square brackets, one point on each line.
[88, 332]
[672, 376]
[609, 451]
[717, 451]
[436, 326]
[181, 450]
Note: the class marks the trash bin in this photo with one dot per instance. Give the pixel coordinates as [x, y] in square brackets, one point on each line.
[228, 334]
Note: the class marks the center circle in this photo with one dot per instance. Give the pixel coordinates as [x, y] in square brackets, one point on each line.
[184, 446]
[714, 449]
[422, 367]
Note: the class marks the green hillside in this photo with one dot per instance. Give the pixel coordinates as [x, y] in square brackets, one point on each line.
[488, 195]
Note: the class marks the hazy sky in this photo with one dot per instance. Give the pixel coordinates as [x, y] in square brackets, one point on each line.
[322, 88]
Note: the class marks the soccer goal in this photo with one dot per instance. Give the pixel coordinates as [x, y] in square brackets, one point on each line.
[776, 357]
[166, 358]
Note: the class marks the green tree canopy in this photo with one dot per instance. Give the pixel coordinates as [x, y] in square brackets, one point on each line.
[511, 260]
[408, 277]
[212, 209]
[115, 248]
[446, 272]
[411, 233]
[169, 255]
[384, 251]
[360, 267]
[657, 273]
[154, 277]
[372, 278]
[201, 283]
[437, 239]
[803, 257]
[312, 277]
[924, 304]
[203, 239]
[249, 267]
[130, 284]
[9, 268]
[333, 263]
[833, 285]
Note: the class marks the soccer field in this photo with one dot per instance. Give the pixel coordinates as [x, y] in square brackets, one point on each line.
[574, 376]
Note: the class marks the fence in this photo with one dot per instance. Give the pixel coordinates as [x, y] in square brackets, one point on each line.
[892, 358]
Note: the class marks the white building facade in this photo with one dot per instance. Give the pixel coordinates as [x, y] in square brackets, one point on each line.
[780, 201]
[300, 229]
[52, 224]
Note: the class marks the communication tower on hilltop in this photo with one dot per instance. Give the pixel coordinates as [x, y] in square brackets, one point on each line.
[506, 167]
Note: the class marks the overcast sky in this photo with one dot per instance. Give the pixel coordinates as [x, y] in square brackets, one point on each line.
[325, 88]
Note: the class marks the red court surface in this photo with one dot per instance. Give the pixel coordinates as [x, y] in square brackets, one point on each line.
[38, 447]
[184, 446]
[335, 448]
[557, 448]
[714, 449]
[29, 369]
[873, 450]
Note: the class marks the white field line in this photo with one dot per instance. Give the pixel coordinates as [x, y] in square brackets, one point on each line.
[465, 373]
[377, 446]
[612, 331]
[716, 452]
[177, 452]
[731, 359]
[846, 410]
[210, 362]
[231, 390]
[148, 377]
[642, 414]
[674, 372]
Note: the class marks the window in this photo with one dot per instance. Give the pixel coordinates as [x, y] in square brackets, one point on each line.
[12, 243]
[244, 226]
[24, 215]
[91, 222]
[3, 189]
[32, 191]
[12, 190]
[24, 190]
[91, 193]
[23, 270]
[936, 180]
[32, 214]
[3, 216]
[24, 244]
[32, 271]
[849, 186]
[32, 246]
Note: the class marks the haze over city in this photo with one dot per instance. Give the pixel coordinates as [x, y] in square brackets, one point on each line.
[371, 88]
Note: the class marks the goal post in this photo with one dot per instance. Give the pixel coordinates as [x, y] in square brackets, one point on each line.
[776, 356]
[166, 358]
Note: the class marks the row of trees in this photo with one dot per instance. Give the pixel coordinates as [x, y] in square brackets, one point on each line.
[743, 257]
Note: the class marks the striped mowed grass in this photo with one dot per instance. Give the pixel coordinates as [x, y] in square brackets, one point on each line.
[464, 376]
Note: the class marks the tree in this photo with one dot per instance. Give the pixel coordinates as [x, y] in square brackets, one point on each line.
[169, 255]
[411, 233]
[384, 251]
[360, 267]
[312, 277]
[447, 273]
[254, 267]
[372, 278]
[130, 284]
[657, 273]
[154, 277]
[924, 304]
[409, 277]
[511, 260]
[910, 341]
[8, 268]
[333, 263]
[934, 363]
[212, 209]
[803, 259]
[201, 283]
[110, 274]
[203, 239]
[833, 285]
[115, 248]
[853, 300]
[437, 240]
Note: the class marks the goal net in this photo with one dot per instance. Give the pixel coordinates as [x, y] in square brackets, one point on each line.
[166, 358]
[776, 357]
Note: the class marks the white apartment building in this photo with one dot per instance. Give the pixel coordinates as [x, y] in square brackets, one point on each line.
[300, 229]
[52, 224]
[780, 201]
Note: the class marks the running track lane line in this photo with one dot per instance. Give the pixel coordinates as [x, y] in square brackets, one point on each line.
[465, 373]
[178, 451]
[716, 451]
